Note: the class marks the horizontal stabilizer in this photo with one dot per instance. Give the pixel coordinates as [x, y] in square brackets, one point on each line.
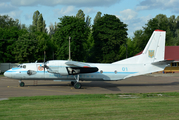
[163, 62]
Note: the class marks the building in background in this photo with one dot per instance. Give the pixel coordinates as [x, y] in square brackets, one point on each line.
[172, 52]
[6, 66]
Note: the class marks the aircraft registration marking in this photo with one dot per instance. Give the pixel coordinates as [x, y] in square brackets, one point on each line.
[124, 69]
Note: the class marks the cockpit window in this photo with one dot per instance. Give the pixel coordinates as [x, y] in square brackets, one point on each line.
[21, 66]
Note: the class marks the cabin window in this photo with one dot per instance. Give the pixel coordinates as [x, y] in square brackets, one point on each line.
[24, 66]
[101, 71]
[174, 64]
[115, 71]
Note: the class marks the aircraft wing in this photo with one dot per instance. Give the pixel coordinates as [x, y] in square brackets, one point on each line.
[79, 67]
[77, 64]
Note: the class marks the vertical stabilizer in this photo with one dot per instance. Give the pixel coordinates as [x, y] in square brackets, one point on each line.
[155, 48]
[153, 52]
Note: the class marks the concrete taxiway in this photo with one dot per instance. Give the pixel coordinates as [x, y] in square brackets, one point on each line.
[141, 84]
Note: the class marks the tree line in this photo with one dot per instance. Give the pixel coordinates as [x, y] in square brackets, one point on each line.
[103, 41]
[161, 22]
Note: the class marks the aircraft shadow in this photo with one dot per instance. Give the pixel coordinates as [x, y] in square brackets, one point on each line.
[110, 86]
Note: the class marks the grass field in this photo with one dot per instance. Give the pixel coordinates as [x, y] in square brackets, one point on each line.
[152, 106]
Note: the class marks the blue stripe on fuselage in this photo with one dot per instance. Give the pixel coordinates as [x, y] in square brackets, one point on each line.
[16, 68]
[117, 72]
[84, 73]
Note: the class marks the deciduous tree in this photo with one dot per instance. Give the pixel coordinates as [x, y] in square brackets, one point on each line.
[109, 34]
[80, 15]
[98, 15]
[75, 28]
[38, 23]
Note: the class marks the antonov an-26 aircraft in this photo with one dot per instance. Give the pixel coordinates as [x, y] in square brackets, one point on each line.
[151, 60]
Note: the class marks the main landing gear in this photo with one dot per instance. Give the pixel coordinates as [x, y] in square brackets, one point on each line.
[22, 84]
[76, 83]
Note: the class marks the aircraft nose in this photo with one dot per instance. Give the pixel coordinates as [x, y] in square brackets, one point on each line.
[7, 74]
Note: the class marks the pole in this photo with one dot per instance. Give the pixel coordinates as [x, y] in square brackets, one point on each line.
[69, 49]
[44, 56]
[126, 51]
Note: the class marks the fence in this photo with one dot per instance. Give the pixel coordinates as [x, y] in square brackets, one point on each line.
[7, 66]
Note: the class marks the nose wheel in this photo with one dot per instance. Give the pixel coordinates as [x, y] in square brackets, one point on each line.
[22, 84]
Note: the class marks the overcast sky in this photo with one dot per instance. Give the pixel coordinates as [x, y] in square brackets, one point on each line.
[135, 13]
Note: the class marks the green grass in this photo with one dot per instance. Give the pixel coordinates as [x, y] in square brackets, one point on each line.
[150, 106]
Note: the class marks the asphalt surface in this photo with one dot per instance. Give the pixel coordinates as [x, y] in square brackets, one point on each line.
[141, 84]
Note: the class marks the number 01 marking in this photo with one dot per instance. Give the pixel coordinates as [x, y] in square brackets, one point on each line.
[124, 69]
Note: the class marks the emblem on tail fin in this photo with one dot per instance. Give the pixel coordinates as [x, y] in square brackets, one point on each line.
[151, 53]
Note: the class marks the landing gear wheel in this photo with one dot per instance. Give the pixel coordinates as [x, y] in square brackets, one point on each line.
[77, 85]
[22, 84]
[73, 83]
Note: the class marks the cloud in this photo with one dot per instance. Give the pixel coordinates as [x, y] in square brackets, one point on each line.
[134, 22]
[89, 11]
[70, 10]
[77, 3]
[15, 14]
[2, 1]
[5, 8]
[25, 2]
[158, 4]
[8, 9]
[128, 14]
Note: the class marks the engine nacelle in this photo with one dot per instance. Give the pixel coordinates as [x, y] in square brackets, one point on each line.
[31, 72]
[63, 71]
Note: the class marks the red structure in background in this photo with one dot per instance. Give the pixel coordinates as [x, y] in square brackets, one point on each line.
[171, 53]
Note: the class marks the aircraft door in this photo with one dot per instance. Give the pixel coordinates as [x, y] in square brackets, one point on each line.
[40, 71]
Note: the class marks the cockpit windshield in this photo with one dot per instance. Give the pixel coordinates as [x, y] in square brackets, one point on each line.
[21, 66]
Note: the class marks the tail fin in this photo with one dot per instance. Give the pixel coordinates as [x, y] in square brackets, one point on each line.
[155, 48]
[153, 52]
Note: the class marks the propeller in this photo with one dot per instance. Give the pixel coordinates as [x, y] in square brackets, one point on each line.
[45, 66]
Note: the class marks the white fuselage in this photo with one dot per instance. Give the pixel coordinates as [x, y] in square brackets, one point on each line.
[105, 72]
[151, 60]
